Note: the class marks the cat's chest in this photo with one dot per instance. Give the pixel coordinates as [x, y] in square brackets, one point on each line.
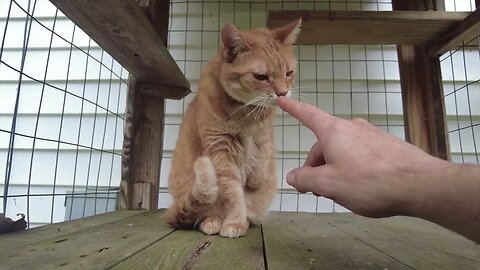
[251, 155]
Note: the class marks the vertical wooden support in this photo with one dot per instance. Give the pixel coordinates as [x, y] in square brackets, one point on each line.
[143, 131]
[422, 93]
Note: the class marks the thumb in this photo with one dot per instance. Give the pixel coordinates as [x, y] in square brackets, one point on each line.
[309, 179]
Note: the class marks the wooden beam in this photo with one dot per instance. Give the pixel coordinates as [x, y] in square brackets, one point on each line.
[367, 27]
[123, 30]
[422, 96]
[156, 90]
[142, 149]
[464, 31]
[142, 195]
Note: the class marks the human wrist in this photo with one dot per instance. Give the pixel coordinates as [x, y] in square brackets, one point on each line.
[425, 186]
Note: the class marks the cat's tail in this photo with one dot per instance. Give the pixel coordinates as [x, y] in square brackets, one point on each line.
[184, 213]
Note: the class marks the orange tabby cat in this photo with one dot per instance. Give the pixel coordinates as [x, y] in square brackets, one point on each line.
[223, 169]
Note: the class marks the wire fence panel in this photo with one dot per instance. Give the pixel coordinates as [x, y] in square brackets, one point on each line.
[61, 116]
[346, 80]
[461, 83]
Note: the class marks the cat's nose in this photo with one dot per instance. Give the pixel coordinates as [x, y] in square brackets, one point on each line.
[281, 93]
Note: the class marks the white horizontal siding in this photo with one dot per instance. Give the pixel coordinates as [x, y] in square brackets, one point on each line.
[81, 100]
[345, 80]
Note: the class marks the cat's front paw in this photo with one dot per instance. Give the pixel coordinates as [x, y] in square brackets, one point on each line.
[210, 225]
[233, 230]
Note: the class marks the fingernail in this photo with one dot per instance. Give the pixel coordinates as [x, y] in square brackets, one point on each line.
[291, 178]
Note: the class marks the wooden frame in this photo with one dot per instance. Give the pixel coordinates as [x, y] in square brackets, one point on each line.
[368, 27]
[123, 29]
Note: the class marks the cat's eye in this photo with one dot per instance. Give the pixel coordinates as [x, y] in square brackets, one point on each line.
[260, 77]
[289, 73]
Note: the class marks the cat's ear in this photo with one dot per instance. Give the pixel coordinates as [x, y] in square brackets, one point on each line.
[232, 42]
[288, 33]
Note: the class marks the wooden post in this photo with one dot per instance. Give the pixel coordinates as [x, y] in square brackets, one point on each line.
[422, 93]
[143, 131]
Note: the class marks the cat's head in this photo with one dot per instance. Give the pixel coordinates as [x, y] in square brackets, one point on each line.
[258, 65]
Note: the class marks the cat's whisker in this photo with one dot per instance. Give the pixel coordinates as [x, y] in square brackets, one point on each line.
[262, 108]
[253, 100]
[252, 111]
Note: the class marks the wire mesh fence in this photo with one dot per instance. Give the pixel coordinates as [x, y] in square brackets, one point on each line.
[346, 80]
[61, 116]
[63, 98]
[461, 83]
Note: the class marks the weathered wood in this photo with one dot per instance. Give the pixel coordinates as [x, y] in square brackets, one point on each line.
[56, 230]
[194, 250]
[157, 11]
[429, 246]
[126, 184]
[367, 27]
[422, 96]
[311, 241]
[158, 90]
[123, 30]
[142, 192]
[143, 135]
[291, 241]
[98, 247]
[143, 145]
[464, 31]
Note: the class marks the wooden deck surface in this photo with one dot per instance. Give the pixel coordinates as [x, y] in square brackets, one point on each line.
[141, 240]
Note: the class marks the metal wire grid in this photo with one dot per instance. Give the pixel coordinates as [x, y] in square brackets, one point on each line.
[348, 81]
[461, 82]
[62, 108]
[461, 79]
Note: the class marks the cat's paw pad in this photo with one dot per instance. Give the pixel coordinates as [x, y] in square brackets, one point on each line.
[210, 225]
[233, 230]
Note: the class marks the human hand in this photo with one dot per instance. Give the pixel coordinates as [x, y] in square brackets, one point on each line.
[358, 165]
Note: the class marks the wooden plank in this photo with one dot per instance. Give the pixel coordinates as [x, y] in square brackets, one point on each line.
[311, 241]
[415, 242]
[123, 30]
[95, 248]
[157, 11]
[422, 96]
[367, 27]
[28, 237]
[158, 90]
[464, 31]
[125, 195]
[194, 250]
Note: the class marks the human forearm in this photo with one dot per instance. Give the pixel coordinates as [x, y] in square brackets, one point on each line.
[450, 197]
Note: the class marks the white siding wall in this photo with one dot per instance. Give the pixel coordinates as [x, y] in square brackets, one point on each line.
[94, 96]
[348, 81]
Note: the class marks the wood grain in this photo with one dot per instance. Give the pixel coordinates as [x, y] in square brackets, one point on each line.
[28, 237]
[422, 96]
[142, 240]
[464, 31]
[98, 247]
[123, 30]
[194, 250]
[367, 27]
[311, 241]
[429, 246]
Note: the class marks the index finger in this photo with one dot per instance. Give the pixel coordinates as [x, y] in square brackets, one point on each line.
[310, 116]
